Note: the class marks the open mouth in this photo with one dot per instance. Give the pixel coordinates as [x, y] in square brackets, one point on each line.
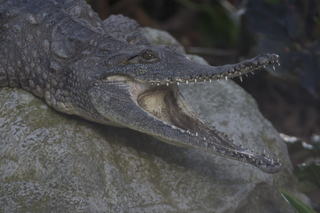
[175, 122]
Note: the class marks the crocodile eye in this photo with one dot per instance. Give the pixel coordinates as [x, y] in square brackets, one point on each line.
[148, 55]
[144, 57]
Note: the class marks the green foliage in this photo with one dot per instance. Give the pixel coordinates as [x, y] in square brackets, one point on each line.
[296, 204]
[309, 172]
[217, 21]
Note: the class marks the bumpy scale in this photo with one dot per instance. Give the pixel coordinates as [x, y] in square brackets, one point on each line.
[107, 72]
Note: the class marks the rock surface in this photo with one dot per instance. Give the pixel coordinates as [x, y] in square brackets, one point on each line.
[51, 162]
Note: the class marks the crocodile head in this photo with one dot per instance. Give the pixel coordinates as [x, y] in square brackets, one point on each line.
[138, 87]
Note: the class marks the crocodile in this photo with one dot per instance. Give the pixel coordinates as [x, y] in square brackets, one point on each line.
[108, 72]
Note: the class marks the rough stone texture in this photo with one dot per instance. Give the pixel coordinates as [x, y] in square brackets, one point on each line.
[51, 162]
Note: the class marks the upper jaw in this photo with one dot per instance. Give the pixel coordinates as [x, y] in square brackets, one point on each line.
[193, 72]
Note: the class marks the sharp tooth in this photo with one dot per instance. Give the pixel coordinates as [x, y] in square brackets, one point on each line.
[196, 134]
[271, 161]
[278, 63]
[240, 77]
[158, 84]
[187, 82]
[195, 80]
[167, 84]
[273, 67]
[204, 80]
[264, 66]
[210, 80]
[178, 83]
[226, 77]
[204, 138]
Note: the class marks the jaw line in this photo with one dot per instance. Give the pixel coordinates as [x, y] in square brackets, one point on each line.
[167, 105]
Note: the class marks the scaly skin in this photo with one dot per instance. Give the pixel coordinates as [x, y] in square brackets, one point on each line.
[107, 72]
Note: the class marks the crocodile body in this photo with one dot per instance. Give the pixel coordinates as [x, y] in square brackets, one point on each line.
[108, 72]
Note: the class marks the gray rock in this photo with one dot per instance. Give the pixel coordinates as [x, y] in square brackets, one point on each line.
[51, 162]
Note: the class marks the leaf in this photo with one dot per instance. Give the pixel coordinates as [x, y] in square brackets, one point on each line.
[310, 173]
[306, 172]
[297, 204]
